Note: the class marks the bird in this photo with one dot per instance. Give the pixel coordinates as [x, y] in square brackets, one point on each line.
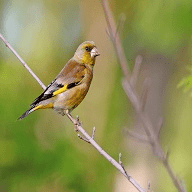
[71, 85]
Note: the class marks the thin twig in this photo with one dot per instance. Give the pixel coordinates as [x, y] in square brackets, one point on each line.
[134, 98]
[93, 132]
[107, 32]
[77, 118]
[144, 92]
[121, 163]
[137, 137]
[80, 137]
[120, 24]
[103, 153]
[117, 45]
[180, 186]
[23, 62]
[136, 69]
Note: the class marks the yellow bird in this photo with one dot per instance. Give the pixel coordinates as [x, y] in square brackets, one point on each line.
[71, 85]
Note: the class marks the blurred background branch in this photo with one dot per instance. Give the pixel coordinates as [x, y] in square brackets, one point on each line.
[128, 84]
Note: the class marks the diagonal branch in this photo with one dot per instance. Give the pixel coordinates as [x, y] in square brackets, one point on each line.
[23, 62]
[77, 124]
[103, 153]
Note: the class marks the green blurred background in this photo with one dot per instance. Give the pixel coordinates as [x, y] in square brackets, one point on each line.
[42, 152]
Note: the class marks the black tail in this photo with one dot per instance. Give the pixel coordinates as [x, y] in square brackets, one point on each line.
[26, 113]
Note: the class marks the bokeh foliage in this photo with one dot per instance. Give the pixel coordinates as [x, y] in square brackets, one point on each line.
[42, 152]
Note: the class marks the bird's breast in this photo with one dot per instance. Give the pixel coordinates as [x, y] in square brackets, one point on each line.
[71, 98]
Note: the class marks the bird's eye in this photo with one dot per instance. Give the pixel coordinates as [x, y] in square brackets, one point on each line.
[88, 49]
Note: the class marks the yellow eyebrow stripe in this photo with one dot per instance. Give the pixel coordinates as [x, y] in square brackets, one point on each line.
[64, 88]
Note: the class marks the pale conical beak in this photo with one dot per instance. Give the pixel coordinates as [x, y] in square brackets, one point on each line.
[94, 52]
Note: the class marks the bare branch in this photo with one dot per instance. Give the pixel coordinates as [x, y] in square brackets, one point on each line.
[132, 95]
[120, 162]
[80, 137]
[159, 126]
[137, 137]
[136, 70]
[77, 124]
[120, 24]
[23, 62]
[179, 184]
[144, 92]
[108, 34]
[93, 132]
[77, 117]
[103, 153]
[120, 155]
[117, 45]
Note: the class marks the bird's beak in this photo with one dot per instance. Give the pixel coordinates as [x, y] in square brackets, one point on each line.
[94, 52]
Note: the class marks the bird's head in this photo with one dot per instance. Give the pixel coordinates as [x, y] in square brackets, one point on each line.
[86, 53]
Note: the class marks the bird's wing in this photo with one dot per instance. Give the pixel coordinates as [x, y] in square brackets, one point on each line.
[70, 76]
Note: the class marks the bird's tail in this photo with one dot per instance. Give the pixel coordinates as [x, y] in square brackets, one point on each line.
[26, 113]
[34, 108]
